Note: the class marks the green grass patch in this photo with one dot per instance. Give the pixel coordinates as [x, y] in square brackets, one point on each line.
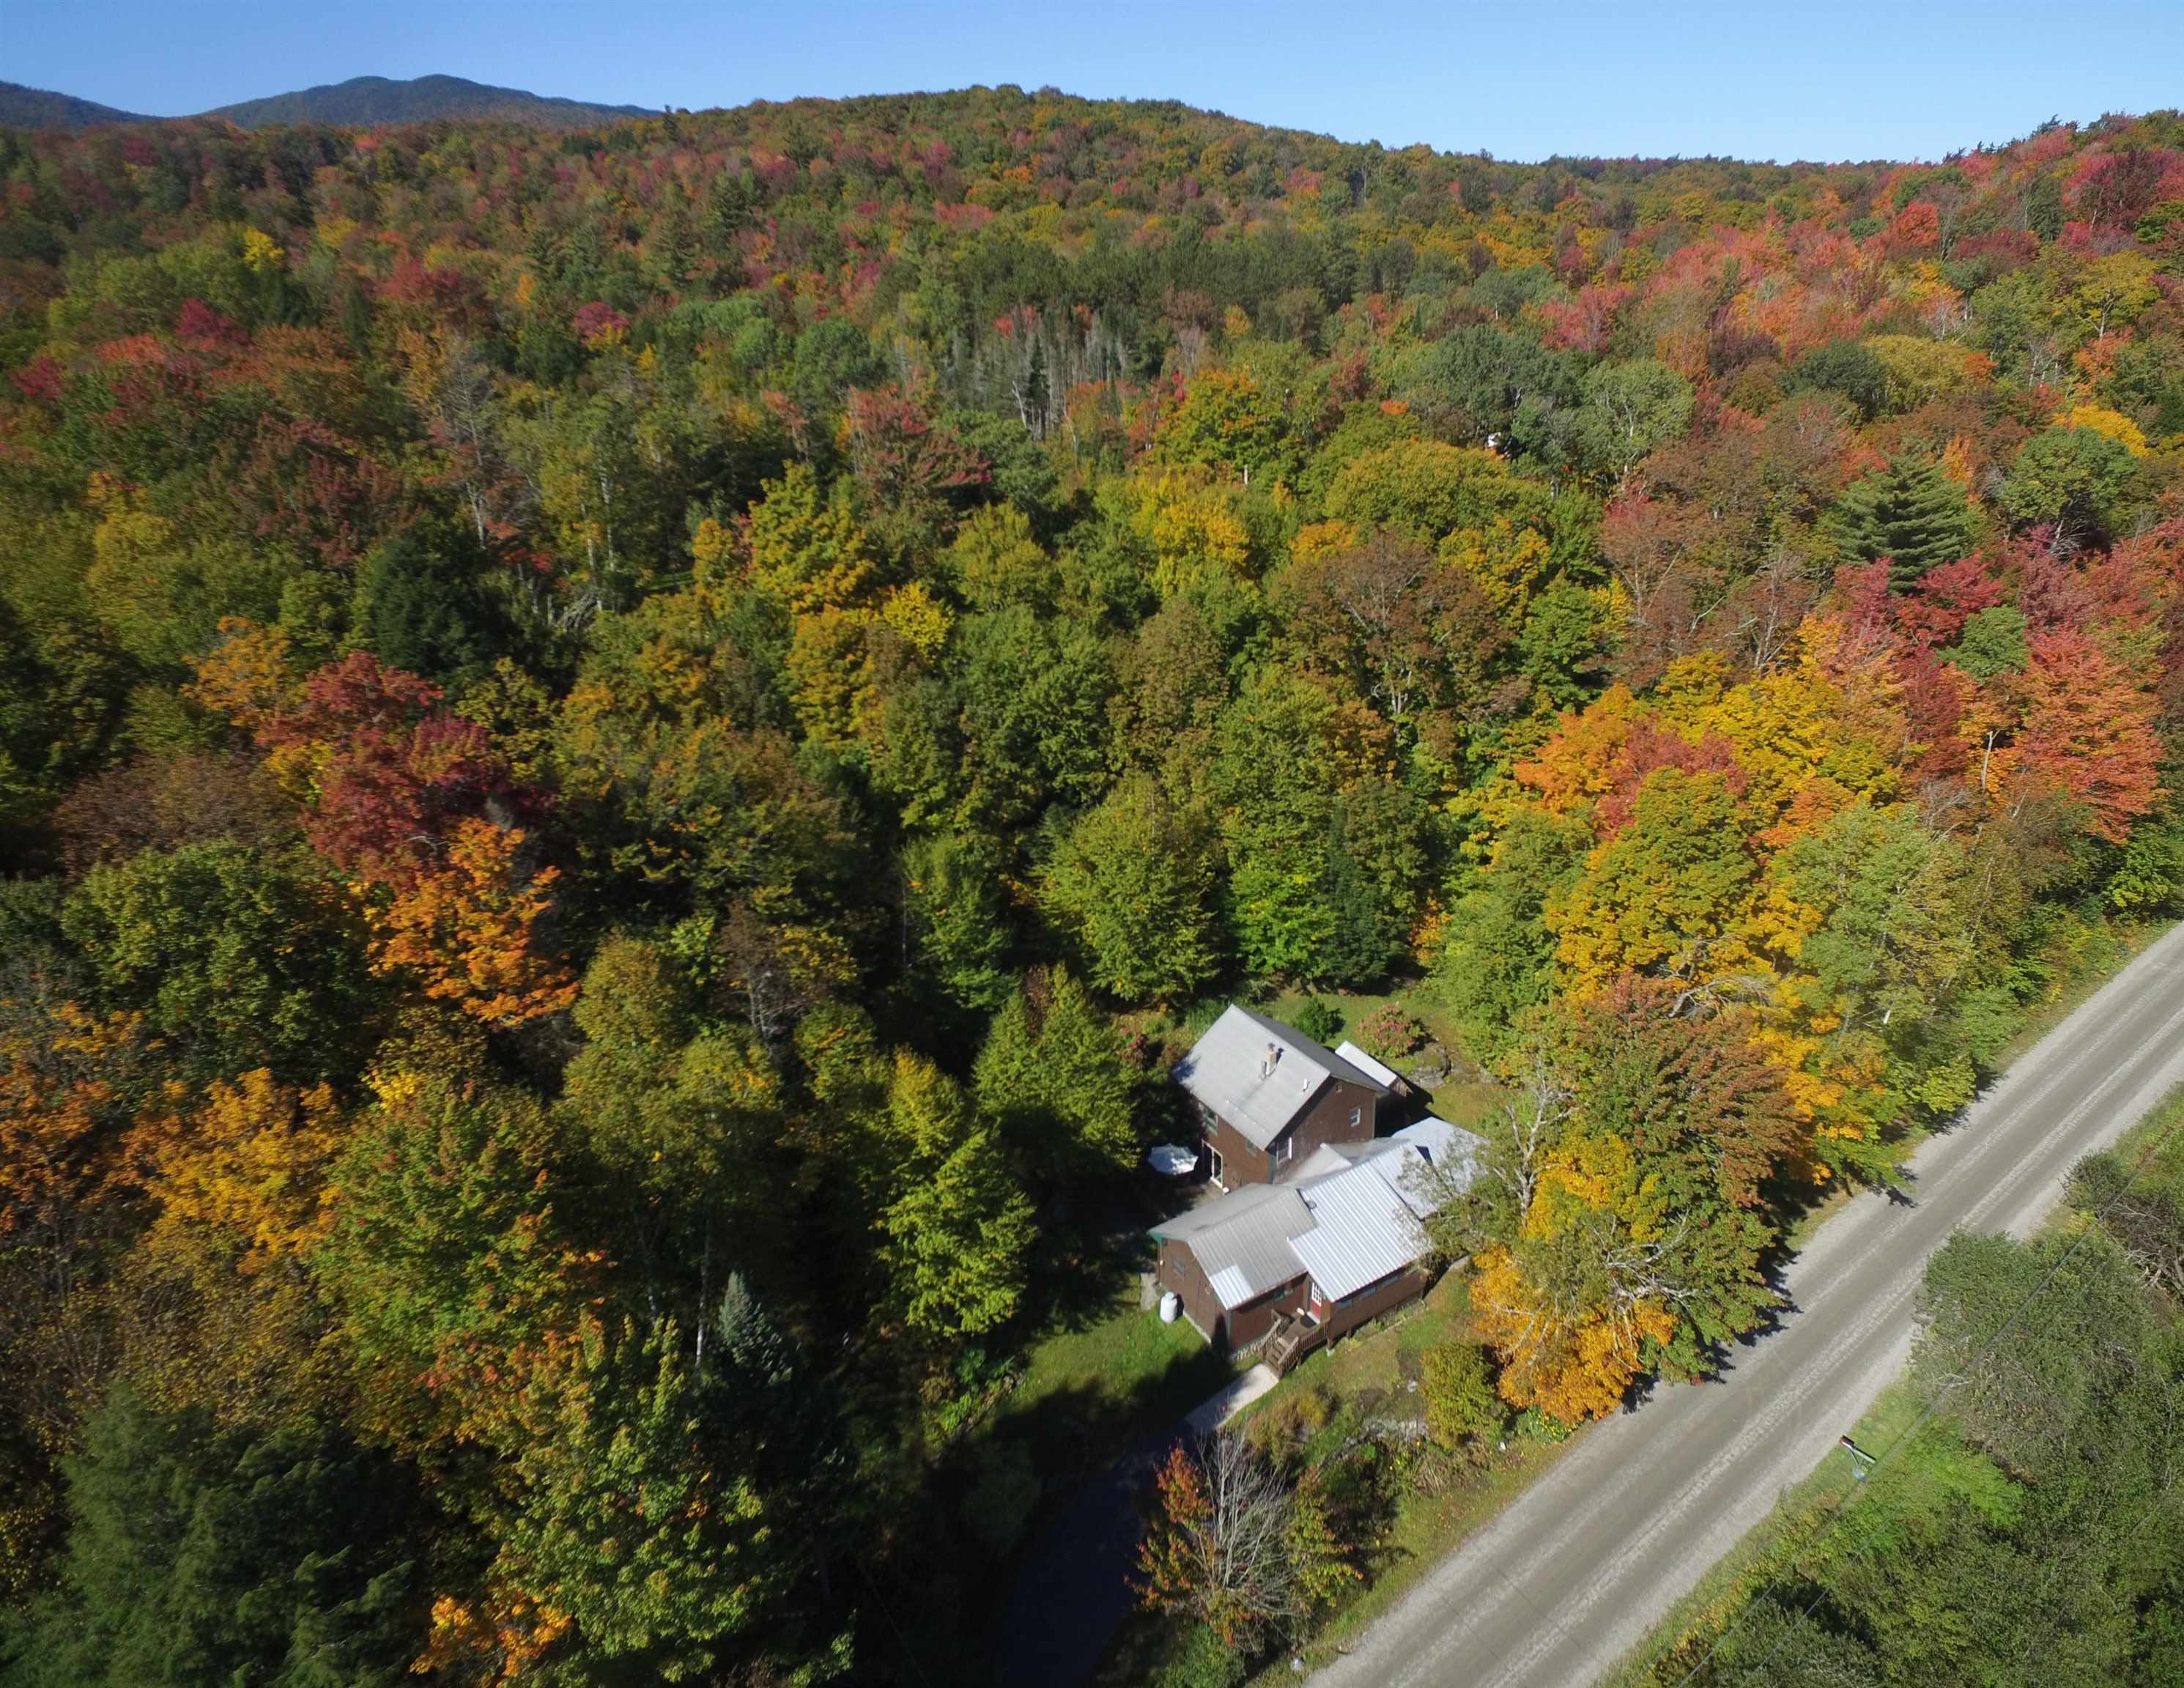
[1127, 1356]
[1087, 1393]
[1459, 1099]
[1355, 1007]
[1381, 1360]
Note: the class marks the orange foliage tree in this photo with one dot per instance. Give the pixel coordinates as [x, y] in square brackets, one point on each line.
[415, 803]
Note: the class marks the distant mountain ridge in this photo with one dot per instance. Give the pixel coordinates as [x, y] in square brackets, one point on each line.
[23, 107]
[359, 103]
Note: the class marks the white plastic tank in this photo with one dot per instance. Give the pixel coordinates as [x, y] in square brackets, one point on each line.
[1171, 1308]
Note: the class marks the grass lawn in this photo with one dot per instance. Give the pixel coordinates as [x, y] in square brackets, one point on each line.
[1088, 1393]
[1385, 1357]
[1129, 1358]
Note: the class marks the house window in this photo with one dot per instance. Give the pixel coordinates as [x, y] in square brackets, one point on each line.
[1213, 1164]
[1283, 1149]
[1356, 1116]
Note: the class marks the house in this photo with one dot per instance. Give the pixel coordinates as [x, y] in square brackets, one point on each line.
[1306, 1261]
[1268, 1097]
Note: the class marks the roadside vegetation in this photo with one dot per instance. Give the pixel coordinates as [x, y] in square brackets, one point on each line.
[2024, 1521]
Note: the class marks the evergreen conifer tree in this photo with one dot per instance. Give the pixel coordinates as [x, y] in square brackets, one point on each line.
[1910, 513]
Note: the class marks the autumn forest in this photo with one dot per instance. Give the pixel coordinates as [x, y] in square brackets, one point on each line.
[627, 754]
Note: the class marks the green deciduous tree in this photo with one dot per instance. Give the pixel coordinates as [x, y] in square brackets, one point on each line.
[633, 1521]
[1034, 692]
[2080, 483]
[1499, 961]
[957, 926]
[1135, 882]
[1630, 408]
[1993, 642]
[244, 959]
[445, 1263]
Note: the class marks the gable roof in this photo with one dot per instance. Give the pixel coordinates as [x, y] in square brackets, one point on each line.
[1229, 1069]
[1362, 1228]
[1353, 1215]
[1241, 1240]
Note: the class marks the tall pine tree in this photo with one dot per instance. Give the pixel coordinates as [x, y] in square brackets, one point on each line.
[1910, 513]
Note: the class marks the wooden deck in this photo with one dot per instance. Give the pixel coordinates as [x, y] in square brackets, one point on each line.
[1293, 1336]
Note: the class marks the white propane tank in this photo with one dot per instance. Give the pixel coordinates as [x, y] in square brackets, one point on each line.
[1171, 1308]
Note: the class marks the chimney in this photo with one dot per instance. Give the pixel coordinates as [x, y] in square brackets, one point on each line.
[1274, 1060]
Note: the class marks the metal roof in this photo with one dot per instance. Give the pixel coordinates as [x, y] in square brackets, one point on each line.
[1329, 1157]
[1241, 1240]
[1259, 1074]
[1353, 1217]
[1385, 1076]
[1453, 1151]
[1362, 1228]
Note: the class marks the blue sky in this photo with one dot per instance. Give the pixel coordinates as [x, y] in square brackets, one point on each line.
[1758, 80]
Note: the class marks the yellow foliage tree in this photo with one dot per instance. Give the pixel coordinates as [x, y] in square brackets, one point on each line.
[250, 1161]
[1193, 528]
[922, 619]
[2108, 424]
[805, 554]
[830, 673]
[1571, 1368]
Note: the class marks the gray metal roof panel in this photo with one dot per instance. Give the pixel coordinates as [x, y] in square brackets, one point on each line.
[1385, 1076]
[1241, 1240]
[1320, 1056]
[1363, 1228]
[1210, 1215]
[1452, 1150]
[1259, 1074]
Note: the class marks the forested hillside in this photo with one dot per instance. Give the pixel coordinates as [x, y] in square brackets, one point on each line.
[625, 755]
